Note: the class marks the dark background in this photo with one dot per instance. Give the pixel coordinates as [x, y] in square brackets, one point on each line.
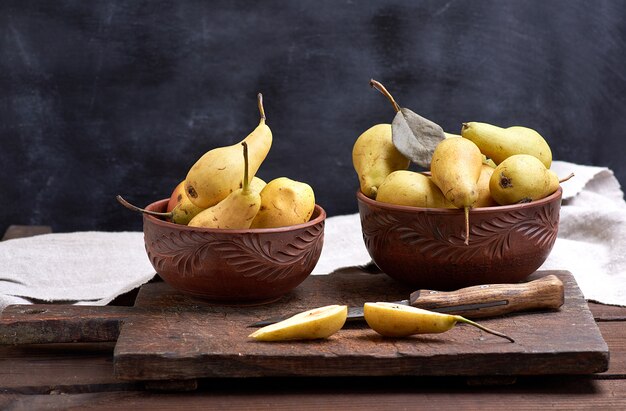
[107, 97]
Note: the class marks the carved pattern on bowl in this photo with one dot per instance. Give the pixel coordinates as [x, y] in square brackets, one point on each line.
[491, 238]
[270, 261]
[254, 255]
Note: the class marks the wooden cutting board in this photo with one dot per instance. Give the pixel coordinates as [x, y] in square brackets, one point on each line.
[168, 335]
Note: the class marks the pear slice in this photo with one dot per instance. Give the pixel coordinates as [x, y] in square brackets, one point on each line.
[396, 320]
[313, 324]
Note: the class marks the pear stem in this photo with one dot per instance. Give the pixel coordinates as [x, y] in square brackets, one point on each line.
[482, 327]
[132, 207]
[467, 228]
[566, 178]
[382, 89]
[259, 98]
[246, 185]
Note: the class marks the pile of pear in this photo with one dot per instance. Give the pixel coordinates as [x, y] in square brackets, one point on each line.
[484, 166]
[221, 189]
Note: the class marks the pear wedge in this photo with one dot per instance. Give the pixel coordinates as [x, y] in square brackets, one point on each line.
[396, 320]
[313, 324]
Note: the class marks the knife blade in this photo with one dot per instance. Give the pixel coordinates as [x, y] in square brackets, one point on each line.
[479, 301]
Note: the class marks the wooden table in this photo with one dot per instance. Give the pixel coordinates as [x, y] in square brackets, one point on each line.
[80, 376]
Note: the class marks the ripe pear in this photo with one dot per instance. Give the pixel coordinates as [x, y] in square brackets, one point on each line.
[237, 210]
[284, 202]
[218, 172]
[522, 178]
[374, 157]
[455, 169]
[498, 143]
[396, 320]
[176, 197]
[484, 194]
[182, 209]
[410, 188]
[179, 209]
[257, 184]
[317, 323]
[486, 160]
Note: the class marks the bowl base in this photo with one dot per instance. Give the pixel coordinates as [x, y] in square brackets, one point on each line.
[243, 267]
[212, 300]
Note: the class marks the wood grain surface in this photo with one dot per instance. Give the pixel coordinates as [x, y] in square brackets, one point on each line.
[183, 338]
[172, 336]
[80, 376]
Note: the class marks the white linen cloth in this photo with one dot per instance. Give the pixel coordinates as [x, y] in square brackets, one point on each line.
[93, 267]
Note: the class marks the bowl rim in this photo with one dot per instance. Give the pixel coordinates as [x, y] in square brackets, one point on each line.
[321, 217]
[504, 208]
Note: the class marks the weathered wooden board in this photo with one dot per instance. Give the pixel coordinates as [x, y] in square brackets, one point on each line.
[49, 323]
[179, 337]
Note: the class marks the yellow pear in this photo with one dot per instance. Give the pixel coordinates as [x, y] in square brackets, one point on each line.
[284, 202]
[396, 320]
[455, 169]
[177, 196]
[179, 209]
[218, 172]
[374, 157]
[484, 194]
[257, 184]
[236, 211]
[486, 160]
[313, 324]
[182, 209]
[410, 188]
[498, 143]
[184, 212]
[522, 178]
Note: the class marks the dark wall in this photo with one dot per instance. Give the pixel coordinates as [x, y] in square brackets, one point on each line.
[107, 97]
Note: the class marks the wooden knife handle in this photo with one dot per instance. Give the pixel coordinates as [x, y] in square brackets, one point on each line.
[546, 293]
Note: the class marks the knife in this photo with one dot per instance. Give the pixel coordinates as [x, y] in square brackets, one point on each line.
[479, 301]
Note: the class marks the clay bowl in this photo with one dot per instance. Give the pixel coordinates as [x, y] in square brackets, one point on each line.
[424, 247]
[234, 267]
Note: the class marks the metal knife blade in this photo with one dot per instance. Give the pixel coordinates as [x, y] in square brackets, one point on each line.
[478, 301]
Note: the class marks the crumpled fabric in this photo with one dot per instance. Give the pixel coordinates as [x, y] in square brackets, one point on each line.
[94, 267]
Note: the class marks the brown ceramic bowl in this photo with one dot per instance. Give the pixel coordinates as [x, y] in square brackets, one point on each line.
[424, 247]
[251, 266]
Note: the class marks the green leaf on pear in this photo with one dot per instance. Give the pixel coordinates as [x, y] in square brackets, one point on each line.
[413, 135]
